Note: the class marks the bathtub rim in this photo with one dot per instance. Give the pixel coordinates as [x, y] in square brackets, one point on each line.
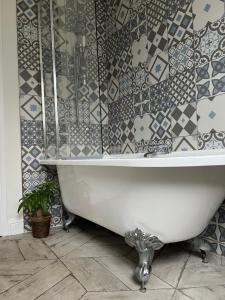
[198, 158]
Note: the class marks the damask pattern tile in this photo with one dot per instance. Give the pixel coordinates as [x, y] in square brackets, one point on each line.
[187, 143]
[211, 141]
[140, 78]
[182, 88]
[184, 120]
[209, 42]
[206, 11]
[142, 129]
[30, 107]
[29, 82]
[160, 125]
[159, 96]
[180, 24]
[211, 114]
[181, 56]
[210, 79]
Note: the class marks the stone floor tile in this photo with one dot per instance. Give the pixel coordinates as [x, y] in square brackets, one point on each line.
[198, 274]
[73, 242]
[123, 268]
[9, 251]
[67, 289]
[203, 293]
[96, 250]
[169, 264]
[25, 267]
[58, 235]
[93, 276]
[37, 284]
[131, 295]
[35, 249]
[7, 282]
[111, 240]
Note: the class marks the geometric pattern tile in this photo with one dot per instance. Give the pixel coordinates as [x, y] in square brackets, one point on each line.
[80, 134]
[155, 12]
[157, 39]
[209, 43]
[115, 112]
[187, 143]
[158, 67]
[181, 56]
[32, 179]
[95, 112]
[211, 141]
[115, 134]
[182, 88]
[180, 24]
[211, 114]
[126, 107]
[127, 136]
[125, 83]
[31, 157]
[139, 51]
[31, 133]
[141, 102]
[160, 125]
[184, 120]
[159, 96]
[28, 54]
[29, 82]
[30, 107]
[123, 13]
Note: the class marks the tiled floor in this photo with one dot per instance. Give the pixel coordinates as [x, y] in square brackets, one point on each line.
[91, 263]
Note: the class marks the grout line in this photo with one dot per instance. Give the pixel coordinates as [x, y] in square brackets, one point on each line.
[17, 243]
[182, 270]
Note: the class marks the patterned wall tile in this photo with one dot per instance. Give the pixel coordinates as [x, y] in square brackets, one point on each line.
[160, 125]
[29, 82]
[181, 56]
[210, 79]
[155, 12]
[141, 102]
[158, 68]
[141, 128]
[30, 158]
[115, 133]
[209, 42]
[182, 88]
[206, 11]
[180, 24]
[138, 24]
[139, 51]
[28, 54]
[122, 13]
[187, 143]
[211, 141]
[127, 136]
[211, 114]
[126, 107]
[30, 107]
[184, 120]
[80, 134]
[157, 39]
[159, 96]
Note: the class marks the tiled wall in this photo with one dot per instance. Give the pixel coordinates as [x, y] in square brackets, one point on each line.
[163, 66]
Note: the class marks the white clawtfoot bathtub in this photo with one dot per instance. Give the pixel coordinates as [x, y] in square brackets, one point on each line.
[168, 198]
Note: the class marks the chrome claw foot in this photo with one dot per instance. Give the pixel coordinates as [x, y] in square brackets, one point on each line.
[68, 221]
[145, 244]
[199, 244]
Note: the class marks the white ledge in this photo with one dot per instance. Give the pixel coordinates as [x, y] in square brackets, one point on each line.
[174, 159]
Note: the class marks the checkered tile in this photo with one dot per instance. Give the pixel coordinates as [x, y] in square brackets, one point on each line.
[184, 120]
[160, 125]
[157, 38]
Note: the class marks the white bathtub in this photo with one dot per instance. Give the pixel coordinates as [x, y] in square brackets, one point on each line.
[171, 196]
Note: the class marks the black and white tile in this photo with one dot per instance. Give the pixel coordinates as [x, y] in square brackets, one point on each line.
[211, 141]
[187, 143]
[184, 120]
[127, 136]
[160, 125]
[160, 97]
[29, 82]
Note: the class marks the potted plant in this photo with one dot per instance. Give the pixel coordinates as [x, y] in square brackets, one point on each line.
[38, 203]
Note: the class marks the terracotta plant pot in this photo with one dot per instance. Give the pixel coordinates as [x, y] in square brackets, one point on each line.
[40, 226]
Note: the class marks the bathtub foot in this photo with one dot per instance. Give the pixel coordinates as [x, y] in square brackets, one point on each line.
[199, 244]
[145, 244]
[203, 256]
[68, 221]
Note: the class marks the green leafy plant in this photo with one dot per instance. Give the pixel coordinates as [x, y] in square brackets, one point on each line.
[39, 200]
